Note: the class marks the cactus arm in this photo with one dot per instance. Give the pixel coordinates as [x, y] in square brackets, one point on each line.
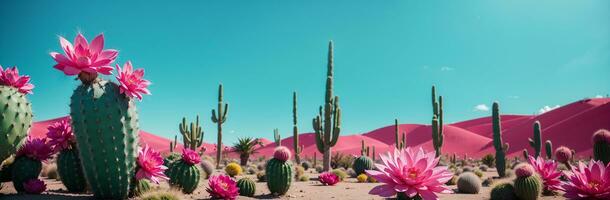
[214, 119]
[549, 149]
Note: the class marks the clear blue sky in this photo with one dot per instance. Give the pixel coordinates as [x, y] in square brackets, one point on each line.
[525, 54]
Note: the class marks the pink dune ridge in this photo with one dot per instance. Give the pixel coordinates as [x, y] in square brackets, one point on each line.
[571, 125]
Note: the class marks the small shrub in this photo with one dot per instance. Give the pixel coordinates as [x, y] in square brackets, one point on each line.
[306, 165]
[162, 195]
[362, 178]
[479, 173]
[340, 173]
[304, 178]
[298, 171]
[233, 169]
[484, 168]
[452, 181]
[261, 176]
[489, 160]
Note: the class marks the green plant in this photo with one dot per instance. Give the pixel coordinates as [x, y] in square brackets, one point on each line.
[327, 125]
[306, 165]
[479, 173]
[528, 185]
[601, 146]
[437, 122]
[70, 170]
[184, 175]
[246, 186]
[362, 163]
[362, 178]
[13, 129]
[299, 171]
[304, 178]
[277, 137]
[172, 144]
[548, 147]
[340, 173]
[488, 160]
[233, 169]
[536, 142]
[501, 148]
[142, 186]
[279, 176]
[219, 120]
[400, 143]
[295, 131]
[192, 135]
[245, 147]
[503, 191]
[261, 176]
[469, 183]
[24, 168]
[161, 195]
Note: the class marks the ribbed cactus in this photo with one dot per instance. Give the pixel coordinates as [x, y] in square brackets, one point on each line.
[362, 163]
[277, 137]
[601, 146]
[469, 183]
[219, 120]
[172, 145]
[548, 146]
[437, 122]
[295, 131]
[105, 123]
[70, 170]
[501, 148]
[247, 187]
[279, 172]
[536, 142]
[503, 191]
[528, 185]
[24, 169]
[184, 175]
[192, 135]
[400, 143]
[327, 125]
[16, 119]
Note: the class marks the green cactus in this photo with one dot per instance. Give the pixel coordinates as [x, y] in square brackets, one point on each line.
[601, 146]
[24, 169]
[526, 155]
[437, 122]
[364, 150]
[469, 183]
[373, 156]
[172, 145]
[6, 169]
[219, 120]
[70, 170]
[548, 146]
[105, 123]
[247, 187]
[400, 143]
[536, 142]
[184, 176]
[279, 176]
[362, 163]
[192, 135]
[142, 186]
[277, 137]
[501, 148]
[503, 191]
[295, 131]
[327, 125]
[528, 188]
[15, 121]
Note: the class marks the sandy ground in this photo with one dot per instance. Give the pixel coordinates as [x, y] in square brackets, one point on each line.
[348, 189]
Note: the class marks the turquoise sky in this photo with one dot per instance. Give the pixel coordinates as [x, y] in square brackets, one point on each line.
[524, 54]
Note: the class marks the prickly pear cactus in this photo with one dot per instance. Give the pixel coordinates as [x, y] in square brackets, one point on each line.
[184, 175]
[15, 119]
[70, 170]
[24, 169]
[105, 124]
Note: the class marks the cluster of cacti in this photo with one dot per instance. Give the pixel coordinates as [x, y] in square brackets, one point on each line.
[233, 169]
[601, 146]
[327, 125]
[184, 173]
[16, 114]
[528, 185]
[219, 120]
[279, 171]
[437, 122]
[295, 131]
[192, 135]
[362, 163]
[70, 170]
[501, 148]
[469, 183]
[247, 187]
[548, 147]
[400, 143]
[536, 141]
[277, 137]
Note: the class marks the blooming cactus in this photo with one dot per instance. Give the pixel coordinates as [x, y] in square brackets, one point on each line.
[590, 181]
[84, 57]
[412, 172]
[131, 82]
[328, 178]
[60, 135]
[548, 172]
[34, 186]
[37, 149]
[150, 165]
[10, 77]
[191, 157]
[222, 187]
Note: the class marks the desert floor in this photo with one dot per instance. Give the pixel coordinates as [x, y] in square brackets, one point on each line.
[349, 189]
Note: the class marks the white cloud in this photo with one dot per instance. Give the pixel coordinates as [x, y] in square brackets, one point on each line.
[445, 68]
[513, 97]
[481, 107]
[547, 109]
[599, 96]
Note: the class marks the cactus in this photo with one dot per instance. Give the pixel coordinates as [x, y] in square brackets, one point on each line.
[364, 150]
[6, 169]
[279, 172]
[16, 119]
[192, 135]
[142, 186]
[548, 147]
[219, 120]
[362, 163]
[24, 169]
[295, 131]
[207, 167]
[70, 170]
[400, 143]
[327, 125]
[503, 191]
[373, 156]
[184, 175]
[437, 122]
[528, 185]
[501, 148]
[105, 123]
[536, 142]
[247, 187]
[233, 169]
[172, 145]
[526, 155]
[601, 146]
[277, 137]
[469, 183]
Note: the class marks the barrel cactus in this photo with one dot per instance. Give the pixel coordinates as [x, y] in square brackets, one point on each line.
[279, 171]
[362, 163]
[246, 186]
[184, 173]
[16, 110]
[233, 169]
[104, 116]
[69, 168]
[528, 185]
[469, 183]
[601, 146]
[503, 191]
[28, 162]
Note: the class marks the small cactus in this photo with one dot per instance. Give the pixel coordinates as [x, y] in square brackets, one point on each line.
[362, 178]
[469, 183]
[233, 169]
[279, 172]
[528, 185]
[548, 147]
[601, 146]
[362, 163]
[277, 137]
[564, 155]
[247, 187]
[184, 173]
[503, 191]
[192, 134]
[536, 142]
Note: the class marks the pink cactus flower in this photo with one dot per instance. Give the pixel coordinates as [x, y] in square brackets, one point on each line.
[547, 171]
[60, 135]
[281, 153]
[590, 181]
[563, 154]
[10, 77]
[524, 170]
[84, 57]
[328, 178]
[37, 149]
[222, 187]
[34, 186]
[412, 172]
[131, 82]
[150, 165]
[191, 157]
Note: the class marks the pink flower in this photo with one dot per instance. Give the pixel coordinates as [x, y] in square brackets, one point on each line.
[222, 187]
[131, 83]
[412, 172]
[328, 178]
[34, 186]
[37, 149]
[84, 57]
[588, 181]
[281, 153]
[60, 135]
[10, 77]
[191, 157]
[150, 165]
[547, 171]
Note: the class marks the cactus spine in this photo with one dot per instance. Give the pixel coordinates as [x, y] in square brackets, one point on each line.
[277, 137]
[501, 148]
[327, 125]
[219, 120]
[105, 123]
[295, 131]
[400, 144]
[548, 146]
[70, 170]
[437, 122]
[536, 142]
[16, 119]
[192, 135]
[184, 175]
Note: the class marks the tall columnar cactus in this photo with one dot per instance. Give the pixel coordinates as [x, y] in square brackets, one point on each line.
[437, 122]
[601, 146]
[192, 135]
[277, 137]
[172, 144]
[400, 143]
[501, 148]
[219, 120]
[536, 142]
[548, 146]
[279, 171]
[295, 131]
[327, 125]
[16, 110]
[364, 150]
